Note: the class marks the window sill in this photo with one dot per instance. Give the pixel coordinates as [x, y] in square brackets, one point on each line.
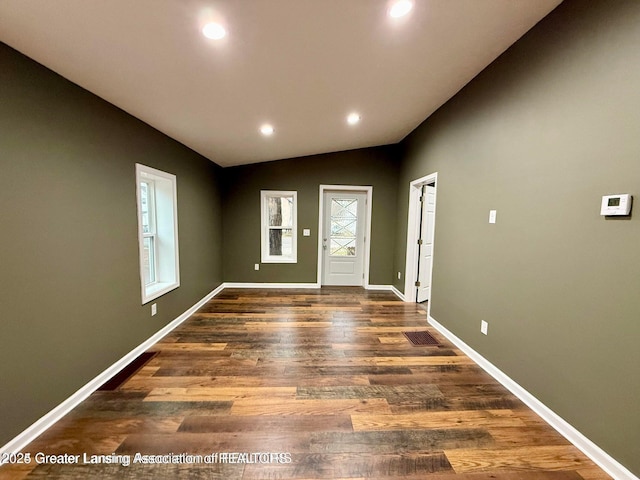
[279, 260]
[157, 290]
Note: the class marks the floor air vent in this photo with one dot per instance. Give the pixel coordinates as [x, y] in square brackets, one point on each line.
[421, 338]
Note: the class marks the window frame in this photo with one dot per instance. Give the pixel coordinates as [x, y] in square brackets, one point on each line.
[265, 228]
[162, 206]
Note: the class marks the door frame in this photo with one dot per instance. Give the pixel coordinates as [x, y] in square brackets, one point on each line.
[413, 234]
[367, 226]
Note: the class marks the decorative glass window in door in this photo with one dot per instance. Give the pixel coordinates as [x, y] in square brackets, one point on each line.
[344, 221]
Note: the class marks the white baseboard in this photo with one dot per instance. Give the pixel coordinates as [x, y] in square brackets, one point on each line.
[270, 285]
[398, 293]
[590, 449]
[386, 288]
[37, 428]
[389, 288]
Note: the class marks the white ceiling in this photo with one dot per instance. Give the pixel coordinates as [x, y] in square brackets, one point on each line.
[301, 65]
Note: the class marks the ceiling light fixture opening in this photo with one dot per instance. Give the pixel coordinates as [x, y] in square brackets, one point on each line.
[266, 130]
[214, 31]
[353, 118]
[400, 8]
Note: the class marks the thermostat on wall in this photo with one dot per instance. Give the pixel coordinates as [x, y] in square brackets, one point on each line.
[616, 204]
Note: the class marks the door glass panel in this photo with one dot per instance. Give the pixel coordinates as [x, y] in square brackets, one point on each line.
[344, 221]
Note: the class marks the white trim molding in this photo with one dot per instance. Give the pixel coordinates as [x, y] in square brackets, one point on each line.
[47, 421]
[398, 293]
[378, 287]
[388, 288]
[590, 449]
[270, 285]
[413, 233]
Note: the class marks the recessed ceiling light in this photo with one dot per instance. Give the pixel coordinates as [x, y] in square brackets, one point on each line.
[400, 8]
[353, 118]
[266, 130]
[214, 31]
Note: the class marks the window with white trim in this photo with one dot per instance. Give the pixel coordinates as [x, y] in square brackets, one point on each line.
[278, 232]
[157, 197]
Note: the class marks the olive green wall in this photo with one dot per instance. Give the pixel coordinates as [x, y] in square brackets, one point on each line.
[70, 281]
[377, 167]
[541, 136]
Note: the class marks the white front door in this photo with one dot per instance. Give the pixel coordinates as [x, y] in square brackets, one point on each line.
[343, 239]
[427, 223]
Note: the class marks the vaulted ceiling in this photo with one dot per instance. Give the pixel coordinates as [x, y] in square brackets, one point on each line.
[299, 65]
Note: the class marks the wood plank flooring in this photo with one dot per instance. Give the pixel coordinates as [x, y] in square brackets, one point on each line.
[307, 384]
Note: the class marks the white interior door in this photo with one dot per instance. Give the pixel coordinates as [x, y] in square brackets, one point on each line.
[343, 240]
[427, 223]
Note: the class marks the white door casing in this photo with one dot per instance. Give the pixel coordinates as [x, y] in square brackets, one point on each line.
[425, 246]
[413, 234]
[344, 228]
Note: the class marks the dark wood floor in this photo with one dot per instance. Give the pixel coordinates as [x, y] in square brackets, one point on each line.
[323, 378]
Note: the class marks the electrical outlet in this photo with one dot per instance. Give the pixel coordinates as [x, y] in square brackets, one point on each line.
[484, 327]
[399, 275]
[492, 216]
[256, 266]
[154, 309]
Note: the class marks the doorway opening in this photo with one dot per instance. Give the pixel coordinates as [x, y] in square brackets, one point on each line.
[420, 239]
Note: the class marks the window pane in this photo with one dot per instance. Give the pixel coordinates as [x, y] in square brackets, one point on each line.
[280, 211]
[281, 242]
[344, 221]
[148, 261]
[144, 207]
[287, 242]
